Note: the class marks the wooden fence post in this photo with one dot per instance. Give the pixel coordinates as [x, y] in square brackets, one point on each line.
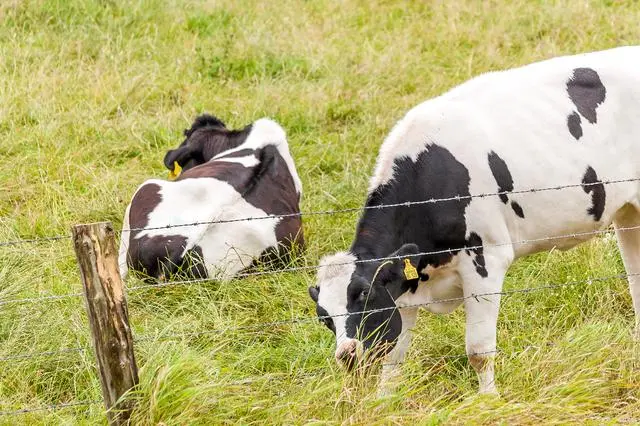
[108, 316]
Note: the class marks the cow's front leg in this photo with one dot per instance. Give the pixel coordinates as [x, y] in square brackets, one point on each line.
[482, 287]
[391, 367]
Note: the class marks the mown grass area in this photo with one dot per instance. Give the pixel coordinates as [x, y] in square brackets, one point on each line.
[93, 93]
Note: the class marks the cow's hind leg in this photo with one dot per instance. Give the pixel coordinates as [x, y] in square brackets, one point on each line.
[627, 224]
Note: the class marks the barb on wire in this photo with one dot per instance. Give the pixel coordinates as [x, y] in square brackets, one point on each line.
[381, 259]
[51, 407]
[34, 240]
[385, 206]
[41, 354]
[300, 320]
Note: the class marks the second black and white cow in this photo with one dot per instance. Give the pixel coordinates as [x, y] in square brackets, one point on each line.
[570, 121]
[226, 175]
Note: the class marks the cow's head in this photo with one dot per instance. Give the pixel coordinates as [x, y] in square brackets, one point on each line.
[356, 301]
[207, 137]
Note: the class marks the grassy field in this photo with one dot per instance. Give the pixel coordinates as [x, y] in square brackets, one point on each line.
[93, 93]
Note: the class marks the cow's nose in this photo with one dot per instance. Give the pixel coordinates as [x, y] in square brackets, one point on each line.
[347, 353]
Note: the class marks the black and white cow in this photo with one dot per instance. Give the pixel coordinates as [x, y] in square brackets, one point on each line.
[566, 121]
[226, 175]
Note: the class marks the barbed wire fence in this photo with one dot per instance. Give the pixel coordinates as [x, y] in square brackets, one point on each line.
[257, 327]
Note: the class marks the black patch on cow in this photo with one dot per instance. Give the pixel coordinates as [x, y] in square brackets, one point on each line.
[158, 256]
[573, 122]
[144, 202]
[587, 92]
[517, 209]
[435, 174]
[476, 249]
[325, 319]
[501, 174]
[441, 227]
[503, 178]
[595, 187]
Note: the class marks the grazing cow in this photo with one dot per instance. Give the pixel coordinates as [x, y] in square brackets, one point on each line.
[226, 175]
[566, 121]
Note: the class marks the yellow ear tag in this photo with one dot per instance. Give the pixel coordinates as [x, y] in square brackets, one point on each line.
[410, 272]
[173, 174]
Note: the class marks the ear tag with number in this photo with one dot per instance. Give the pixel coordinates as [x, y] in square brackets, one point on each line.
[410, 272]
[173, 174]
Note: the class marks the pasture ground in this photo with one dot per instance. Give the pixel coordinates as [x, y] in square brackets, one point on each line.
[92, 94]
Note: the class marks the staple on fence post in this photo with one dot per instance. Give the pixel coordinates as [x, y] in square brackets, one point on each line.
[108, 316]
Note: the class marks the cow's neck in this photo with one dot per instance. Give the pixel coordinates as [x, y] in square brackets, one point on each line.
[433, 226]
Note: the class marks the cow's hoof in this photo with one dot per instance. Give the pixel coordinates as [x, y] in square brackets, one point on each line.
[489, 391]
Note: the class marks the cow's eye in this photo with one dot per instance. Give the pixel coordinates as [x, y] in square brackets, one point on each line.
[364, 294]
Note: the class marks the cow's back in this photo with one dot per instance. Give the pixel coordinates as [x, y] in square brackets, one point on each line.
[563, 122]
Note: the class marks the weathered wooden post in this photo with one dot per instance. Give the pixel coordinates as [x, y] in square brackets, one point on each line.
[108, 316]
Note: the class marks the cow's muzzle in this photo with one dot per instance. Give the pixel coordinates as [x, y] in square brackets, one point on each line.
[348, 353]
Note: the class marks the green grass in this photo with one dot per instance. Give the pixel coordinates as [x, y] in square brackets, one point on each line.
[93, 93]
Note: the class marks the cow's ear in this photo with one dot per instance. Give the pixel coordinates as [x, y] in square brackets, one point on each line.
[314, 292]
[400, 273]
[181, 155]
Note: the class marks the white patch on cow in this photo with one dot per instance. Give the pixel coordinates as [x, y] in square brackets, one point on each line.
[334, 276]
[267, 132]
[247, 161]
[227, 247]
[445, 286]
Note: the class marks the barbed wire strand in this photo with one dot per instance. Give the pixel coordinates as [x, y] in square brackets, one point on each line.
[34, 240]
[51, 407]
[385, 206]
[300, 320]
[312, 267]
[381, 259]
[40, 299]
[338, 211]
[31, 355]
